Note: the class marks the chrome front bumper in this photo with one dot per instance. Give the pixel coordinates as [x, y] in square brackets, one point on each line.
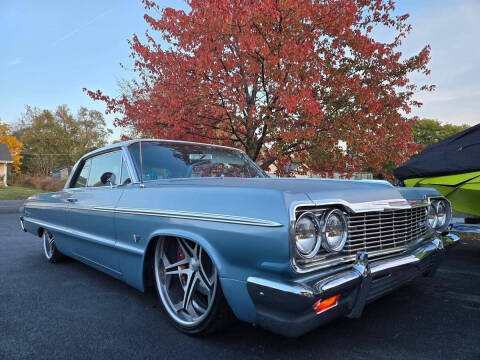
[287, 307]
[22, 224]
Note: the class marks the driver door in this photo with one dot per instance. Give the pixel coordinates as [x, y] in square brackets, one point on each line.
[91, 212]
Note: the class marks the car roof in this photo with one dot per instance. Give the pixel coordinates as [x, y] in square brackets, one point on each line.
[133, 141]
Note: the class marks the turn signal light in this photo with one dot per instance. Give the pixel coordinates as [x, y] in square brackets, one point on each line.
[322, 305]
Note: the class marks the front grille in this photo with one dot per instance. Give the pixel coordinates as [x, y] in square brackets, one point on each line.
[382, 232]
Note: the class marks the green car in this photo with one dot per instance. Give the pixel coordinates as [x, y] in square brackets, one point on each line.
[452, 166]
[463, 190]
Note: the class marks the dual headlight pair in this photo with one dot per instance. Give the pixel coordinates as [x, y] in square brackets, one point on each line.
[329, 230]
[439, 214]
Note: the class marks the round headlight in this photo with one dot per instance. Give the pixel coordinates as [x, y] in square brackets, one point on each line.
[334, 230]
[307, 239]
[431, 216]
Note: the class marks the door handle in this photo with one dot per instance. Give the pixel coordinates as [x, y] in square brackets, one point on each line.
[72, 200]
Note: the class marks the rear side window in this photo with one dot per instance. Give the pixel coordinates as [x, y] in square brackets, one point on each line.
[83, 176]
[106, 163]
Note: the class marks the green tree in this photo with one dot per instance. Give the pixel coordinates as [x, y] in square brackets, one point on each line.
[58, 138]
[429, 131]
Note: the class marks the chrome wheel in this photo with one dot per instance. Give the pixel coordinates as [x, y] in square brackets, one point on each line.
[186, 280]
[48, 244]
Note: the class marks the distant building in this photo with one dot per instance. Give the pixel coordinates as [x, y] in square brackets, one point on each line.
[61, 173]
[292, 171]
[5, 158]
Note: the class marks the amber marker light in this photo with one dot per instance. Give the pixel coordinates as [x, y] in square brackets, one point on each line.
[323, 305]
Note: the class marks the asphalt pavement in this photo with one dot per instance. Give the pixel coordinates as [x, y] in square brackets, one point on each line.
[70, 310]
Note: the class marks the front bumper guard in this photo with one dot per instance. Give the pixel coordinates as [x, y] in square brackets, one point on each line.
[286, 307]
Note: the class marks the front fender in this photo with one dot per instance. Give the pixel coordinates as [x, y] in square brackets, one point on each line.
[245, 232]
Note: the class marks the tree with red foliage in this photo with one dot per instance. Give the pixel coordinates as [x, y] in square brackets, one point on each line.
[284, 80]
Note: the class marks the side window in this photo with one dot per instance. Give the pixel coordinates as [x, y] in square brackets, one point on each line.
[126, 179]
[102, 164]
[83, 176]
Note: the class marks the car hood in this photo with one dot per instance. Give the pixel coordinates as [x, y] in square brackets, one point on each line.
[353, 191]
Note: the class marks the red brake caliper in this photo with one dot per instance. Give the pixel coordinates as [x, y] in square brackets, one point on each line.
[181, 256]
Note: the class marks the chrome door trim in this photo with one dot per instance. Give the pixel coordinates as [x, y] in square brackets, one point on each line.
[83, 236]
[192, 215]
[44, 205]
[130, 164]
[232, 219]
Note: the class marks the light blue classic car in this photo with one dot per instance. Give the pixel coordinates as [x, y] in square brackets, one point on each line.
[217, 237]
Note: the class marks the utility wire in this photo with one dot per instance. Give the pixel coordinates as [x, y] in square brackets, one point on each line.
[39, 154]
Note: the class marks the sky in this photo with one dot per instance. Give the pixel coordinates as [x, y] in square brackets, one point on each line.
[51, 49]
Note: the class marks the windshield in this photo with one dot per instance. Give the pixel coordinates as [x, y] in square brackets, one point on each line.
[169, 160]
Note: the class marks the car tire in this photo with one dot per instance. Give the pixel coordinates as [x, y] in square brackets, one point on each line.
[192, 269]
[50, 249]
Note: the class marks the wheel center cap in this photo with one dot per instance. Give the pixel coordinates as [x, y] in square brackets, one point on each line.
[194, 264]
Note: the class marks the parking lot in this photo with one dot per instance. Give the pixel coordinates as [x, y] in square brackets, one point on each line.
[69, 310]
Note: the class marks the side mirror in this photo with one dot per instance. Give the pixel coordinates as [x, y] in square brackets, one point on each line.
[108, 178]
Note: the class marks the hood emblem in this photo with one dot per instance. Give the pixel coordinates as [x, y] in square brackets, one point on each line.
[398, 203]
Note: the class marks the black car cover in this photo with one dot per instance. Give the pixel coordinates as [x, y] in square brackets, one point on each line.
[459, 153]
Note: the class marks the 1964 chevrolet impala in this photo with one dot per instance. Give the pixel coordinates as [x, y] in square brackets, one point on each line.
[215, 235]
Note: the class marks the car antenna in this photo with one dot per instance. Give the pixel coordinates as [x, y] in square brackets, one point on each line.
[142, 185]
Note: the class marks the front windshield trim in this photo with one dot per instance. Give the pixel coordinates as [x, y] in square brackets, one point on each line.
[258, 171]
[253, 163]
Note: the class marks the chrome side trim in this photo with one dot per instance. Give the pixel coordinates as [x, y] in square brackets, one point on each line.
[192, 215]
[291, 288]
[84, 236]
[232, 219]
[40, 205]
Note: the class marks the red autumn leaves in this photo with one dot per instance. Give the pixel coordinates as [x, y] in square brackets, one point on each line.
[283, 80]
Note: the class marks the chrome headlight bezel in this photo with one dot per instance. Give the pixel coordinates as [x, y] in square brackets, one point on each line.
[318, 240]
[430, 210]
[440, 225]
[325, 244]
